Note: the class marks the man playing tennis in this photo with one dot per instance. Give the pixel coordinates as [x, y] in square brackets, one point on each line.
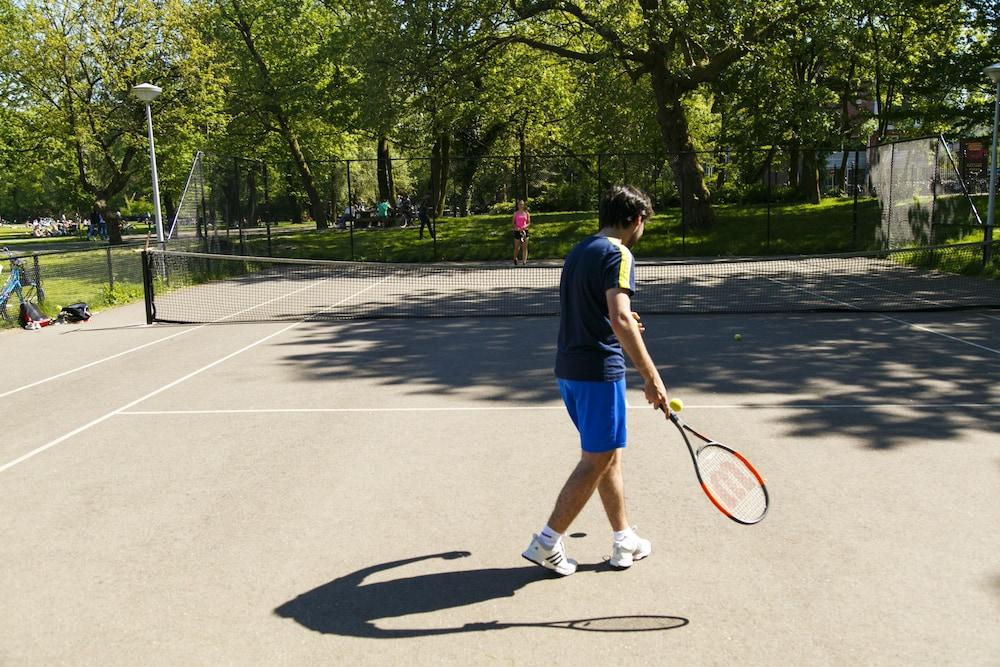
[597, 328]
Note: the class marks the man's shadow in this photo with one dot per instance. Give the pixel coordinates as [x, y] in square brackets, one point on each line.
[346, 607]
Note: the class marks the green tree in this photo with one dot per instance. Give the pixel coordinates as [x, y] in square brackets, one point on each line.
[676, 47]
[69, 69]
[285, 77]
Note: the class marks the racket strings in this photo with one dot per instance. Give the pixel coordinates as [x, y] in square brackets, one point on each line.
[732, 484]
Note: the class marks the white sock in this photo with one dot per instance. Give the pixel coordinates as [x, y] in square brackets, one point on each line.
[621, 535]
[548, 537]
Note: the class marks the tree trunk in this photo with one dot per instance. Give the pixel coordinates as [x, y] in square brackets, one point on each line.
[113, 220]
[809, 184]
[273, 106]
[763, 174]
[793, 165]
[689, 177]
[473, 145]
[522, 186]
[386, 185]
[841, 180]
[440, 156]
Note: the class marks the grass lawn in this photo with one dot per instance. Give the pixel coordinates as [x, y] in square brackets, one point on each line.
[738, 230]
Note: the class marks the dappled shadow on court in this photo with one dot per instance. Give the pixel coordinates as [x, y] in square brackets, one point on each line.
[812, 363]
[842, 373]
[349, 607]
[500, 359]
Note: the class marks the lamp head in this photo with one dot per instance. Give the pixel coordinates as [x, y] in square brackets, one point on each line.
[993, 71]
[146, 92]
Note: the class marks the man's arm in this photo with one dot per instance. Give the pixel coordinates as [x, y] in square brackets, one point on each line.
[628, 332]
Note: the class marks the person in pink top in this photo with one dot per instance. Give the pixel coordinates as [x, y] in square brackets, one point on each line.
[522, 220]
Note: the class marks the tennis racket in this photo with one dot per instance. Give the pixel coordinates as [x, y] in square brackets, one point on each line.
[732, 484]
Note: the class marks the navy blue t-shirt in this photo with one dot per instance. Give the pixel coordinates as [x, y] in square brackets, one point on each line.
[588, 348]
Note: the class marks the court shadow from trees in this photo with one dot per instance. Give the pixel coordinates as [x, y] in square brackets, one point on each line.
[810, 362]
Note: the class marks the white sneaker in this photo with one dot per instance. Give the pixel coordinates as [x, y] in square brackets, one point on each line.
[551, 559]
[629, 550]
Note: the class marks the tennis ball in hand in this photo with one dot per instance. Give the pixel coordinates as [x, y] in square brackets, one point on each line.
[676, 404]
[738, 337]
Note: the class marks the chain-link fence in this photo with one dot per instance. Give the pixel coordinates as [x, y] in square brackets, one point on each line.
[903, 194]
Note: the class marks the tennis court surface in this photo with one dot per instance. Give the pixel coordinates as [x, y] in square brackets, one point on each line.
[328, 491]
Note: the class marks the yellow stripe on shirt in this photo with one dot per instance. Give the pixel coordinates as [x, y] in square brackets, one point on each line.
[625, 267]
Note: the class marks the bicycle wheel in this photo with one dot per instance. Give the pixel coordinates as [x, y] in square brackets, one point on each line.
[10, 306]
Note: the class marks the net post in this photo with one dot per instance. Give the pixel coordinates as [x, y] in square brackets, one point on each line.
[147, 285]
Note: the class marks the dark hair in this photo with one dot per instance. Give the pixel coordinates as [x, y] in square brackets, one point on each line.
[622, 204]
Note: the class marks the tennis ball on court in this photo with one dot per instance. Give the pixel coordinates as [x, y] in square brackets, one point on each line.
[676, 404]
[738, 337]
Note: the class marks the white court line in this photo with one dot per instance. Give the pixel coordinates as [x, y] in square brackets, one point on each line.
[95, 363]
[145, 345]
[889, 317]
[95, 422]
[503, 408]
[909, 296]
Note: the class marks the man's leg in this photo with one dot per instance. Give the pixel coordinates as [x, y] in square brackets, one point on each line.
[580, 487]
[627, 547]
[612, 491]
[546, 549]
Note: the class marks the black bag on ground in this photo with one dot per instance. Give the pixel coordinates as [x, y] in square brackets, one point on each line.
[75, 312]
[31, 316]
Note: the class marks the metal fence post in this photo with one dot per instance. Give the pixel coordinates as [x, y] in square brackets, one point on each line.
[888, 227]
[267, 206]
[680, 180]
[768, 197]
[351, 208]
[38, 276]
[854, 227]
[111, 270]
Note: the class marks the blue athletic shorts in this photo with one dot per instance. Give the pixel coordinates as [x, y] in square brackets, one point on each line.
[598, 411]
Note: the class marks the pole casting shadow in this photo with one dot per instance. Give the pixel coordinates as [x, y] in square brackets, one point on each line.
[346, 607]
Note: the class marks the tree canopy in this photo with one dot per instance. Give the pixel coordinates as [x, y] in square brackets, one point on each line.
[305, 83]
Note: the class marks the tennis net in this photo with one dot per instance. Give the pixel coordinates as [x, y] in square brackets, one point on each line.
[185, 287]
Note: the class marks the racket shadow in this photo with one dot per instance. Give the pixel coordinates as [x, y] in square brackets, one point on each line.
[346, 606]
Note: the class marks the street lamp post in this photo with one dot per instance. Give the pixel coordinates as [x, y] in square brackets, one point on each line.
[147, 92]
[993, 71]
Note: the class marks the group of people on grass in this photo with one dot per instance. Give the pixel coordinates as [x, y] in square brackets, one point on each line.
[46, 225]
[380, 212]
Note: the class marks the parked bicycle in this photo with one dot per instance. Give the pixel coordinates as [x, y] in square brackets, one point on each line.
[21, 284]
